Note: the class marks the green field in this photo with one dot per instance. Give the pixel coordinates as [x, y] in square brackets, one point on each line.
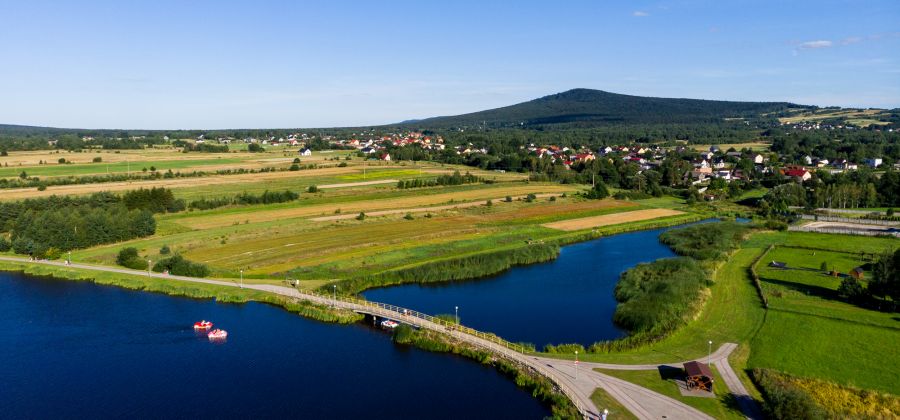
[56, 169]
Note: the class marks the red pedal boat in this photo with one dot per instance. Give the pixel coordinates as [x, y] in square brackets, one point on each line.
[203, 325]
[217, 334]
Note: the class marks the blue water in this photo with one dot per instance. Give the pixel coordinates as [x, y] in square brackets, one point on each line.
[79, 350]
[567, 300]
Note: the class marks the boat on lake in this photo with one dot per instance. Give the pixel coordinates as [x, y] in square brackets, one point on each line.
[203, 325]
[390, 324]
[217, 334]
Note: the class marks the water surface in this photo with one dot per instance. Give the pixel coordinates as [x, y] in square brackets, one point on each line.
[567, 300]
[79, 350]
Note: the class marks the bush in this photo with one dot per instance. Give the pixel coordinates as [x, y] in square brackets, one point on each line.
[97, 159]
[408, 216]
[852, 290]
[128, 257]
[294, 167]
[783, 399]
[776, 225]
[165, 250]
[312, 189]
[5, 246]
[343, 164]
[361, 216]
[61, 160]
[508, 199]
[254, 148]
[180, 266]
[598, 192]
[296, 160]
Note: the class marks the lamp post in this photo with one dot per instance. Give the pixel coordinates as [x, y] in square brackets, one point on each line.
[148, 268]
[576, 365]
[334, 295]
[69, 261]
[242, 278]
[709, 352]
[456, 308]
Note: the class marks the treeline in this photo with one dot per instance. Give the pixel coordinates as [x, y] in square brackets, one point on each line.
[882, 291]
[454, 179]
[852, 145]
[267, 197]
[45, 227]
[29, 182]
[176, 264]
[860, 188]
[200, 147]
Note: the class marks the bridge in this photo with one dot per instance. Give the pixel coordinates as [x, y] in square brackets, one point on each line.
[576, 381]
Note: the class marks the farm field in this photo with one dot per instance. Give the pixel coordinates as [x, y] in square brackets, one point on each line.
[611, 219]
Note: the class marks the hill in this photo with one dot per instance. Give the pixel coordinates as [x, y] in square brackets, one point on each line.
[588, 107]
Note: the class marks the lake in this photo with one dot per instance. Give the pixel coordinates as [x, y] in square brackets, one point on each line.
[567, 300]
[80, 350]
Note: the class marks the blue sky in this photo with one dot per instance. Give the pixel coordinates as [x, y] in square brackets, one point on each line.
[221, 64]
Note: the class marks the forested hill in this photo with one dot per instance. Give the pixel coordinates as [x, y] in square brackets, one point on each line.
[588, 107]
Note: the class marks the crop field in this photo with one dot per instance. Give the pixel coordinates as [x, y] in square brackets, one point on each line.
[861, 117]
[811, 332]
[611, 219]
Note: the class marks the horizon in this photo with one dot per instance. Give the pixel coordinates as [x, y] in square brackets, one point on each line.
[173, 66]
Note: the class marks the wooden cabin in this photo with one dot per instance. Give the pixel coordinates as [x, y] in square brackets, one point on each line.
[857, 273]
[699, 377]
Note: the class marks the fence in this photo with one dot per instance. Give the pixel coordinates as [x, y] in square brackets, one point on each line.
[846, 231]
[854, 220]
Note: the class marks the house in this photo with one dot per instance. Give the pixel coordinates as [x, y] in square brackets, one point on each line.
[758, 158]
[386, 157]
[305, 152]
[797, 174]
[698, 376]
[857, 273]
[874, 162]
[808, 159]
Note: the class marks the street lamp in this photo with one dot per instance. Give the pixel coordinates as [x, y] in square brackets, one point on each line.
[334, 291]
[576, 365]
[709, 352]
[69, 261]
[456, 308]
[605, 413]
[148, 268]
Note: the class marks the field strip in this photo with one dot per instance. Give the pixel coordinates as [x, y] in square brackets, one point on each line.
[610, 219]
[422, 209]
[358, 184]
[22, 193]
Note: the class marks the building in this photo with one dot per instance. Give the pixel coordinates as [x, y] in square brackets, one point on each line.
[797, 174]
[698, 376]
[305, 152]
[874, 162]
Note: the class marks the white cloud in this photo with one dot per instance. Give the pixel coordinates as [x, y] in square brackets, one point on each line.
[815, 44]
[640, 13]
[851, 40]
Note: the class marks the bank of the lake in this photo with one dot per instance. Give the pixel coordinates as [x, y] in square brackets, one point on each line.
[77, 349]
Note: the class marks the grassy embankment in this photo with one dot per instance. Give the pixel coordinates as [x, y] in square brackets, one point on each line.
[224, 294]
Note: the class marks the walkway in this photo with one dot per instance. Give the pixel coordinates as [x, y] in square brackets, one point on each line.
[577, 385]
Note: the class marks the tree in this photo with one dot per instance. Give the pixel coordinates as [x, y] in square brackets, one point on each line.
[598, 192]
[824, 266]
[313, 189]
[294, 167]
[361, 216]
[852, 290]
[885, 281]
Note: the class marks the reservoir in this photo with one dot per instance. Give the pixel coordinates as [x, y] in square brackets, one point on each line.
[567, 300]
[80, 350]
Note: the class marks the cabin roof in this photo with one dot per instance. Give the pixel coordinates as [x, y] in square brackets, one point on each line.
[698, 369]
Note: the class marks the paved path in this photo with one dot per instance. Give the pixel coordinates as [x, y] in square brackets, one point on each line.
[577, 383]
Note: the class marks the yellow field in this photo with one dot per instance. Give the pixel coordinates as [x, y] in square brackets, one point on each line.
[611, 219]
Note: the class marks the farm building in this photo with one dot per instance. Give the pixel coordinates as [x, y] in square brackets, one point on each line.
[306, 152]
[776, 264]
[698, 376]
[857, 273]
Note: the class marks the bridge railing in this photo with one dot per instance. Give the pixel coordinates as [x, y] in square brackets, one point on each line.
[401, 313]
[510, 350]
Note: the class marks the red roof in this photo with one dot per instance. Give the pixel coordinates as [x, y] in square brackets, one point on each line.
[799, 173]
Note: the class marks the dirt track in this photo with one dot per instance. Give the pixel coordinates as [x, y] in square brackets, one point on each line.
[611, 219]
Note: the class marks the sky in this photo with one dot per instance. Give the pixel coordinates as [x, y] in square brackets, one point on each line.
[280, 64]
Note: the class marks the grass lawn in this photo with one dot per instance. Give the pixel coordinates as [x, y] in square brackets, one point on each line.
[603, 400]
[720, 407]
[55, 169]
[811, 332]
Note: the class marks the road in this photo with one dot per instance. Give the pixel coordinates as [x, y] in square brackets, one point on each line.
[577, 383]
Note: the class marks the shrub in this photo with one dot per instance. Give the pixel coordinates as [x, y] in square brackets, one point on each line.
[783, 399]
[361, 216]
[128, 257]
[42, 187]
[408, 216]
[312, 189]
[599, 191]
[61, 160]
[343, 164]
[489, 203]
[508, 199]
[776, 225]
[97, 159]
[165, 250]
[180, 266]
[5, 246]
[296, 160]
[294, 167]
[254, 148]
